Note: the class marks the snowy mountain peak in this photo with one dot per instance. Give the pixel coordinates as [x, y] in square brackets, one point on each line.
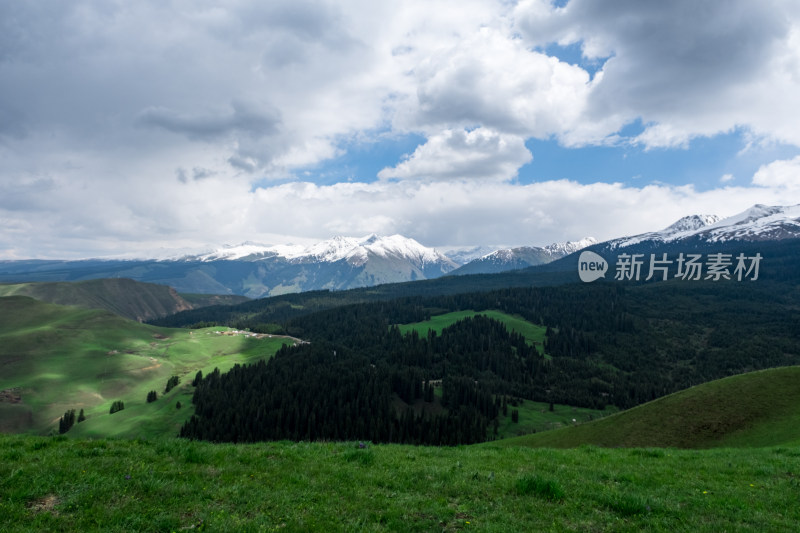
[760, 222]
[561, 249]
[522, 257]
[556, 250]
[692, 222]
[356, 250]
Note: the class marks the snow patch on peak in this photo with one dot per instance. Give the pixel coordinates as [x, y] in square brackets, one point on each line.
[565, 248]
[399, 246]
[464, 254]
[692, 222]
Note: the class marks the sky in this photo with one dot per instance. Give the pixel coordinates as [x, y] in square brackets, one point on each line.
[143, 128]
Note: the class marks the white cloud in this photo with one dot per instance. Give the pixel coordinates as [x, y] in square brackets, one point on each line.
[140, 125]
[458, 154]
[687, 68]
[780, 174]
[491, 79]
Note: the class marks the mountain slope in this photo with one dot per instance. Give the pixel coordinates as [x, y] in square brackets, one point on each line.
[55, 358]
[124, 297]
[754, 409]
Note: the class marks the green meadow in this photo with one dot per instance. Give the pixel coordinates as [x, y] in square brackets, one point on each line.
[55, 358]
[534, 334]
[60, 484]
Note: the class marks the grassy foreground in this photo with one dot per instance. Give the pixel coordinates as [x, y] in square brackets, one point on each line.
[58, 484]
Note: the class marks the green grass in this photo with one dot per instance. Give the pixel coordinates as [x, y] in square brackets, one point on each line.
[55, 484]
[60, 358]
[535, 417]
[534, 334]
[748, 410]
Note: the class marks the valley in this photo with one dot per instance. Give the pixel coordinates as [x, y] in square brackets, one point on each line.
[57, 358]
[465, 398]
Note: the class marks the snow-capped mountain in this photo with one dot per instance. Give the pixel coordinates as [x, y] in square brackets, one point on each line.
[759, 223]
[356, 251]
[522, 257]
[337, 263]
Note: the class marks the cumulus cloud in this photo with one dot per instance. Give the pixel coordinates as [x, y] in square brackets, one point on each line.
[685, 68]
[780, 174]
[458, 154]
[493, 80]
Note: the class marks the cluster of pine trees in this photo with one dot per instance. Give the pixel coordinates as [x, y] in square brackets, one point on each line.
[385, 393]
[66, 422]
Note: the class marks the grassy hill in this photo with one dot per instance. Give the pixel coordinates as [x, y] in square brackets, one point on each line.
[56, 484]
[754, 409]
[54, 358]
[124, 297]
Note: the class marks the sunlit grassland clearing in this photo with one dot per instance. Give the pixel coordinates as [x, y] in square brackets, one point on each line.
[534, 334]
[56, 358]
[51, 484]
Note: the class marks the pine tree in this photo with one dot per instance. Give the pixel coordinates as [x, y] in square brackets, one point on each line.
[172, 383]
[66, 421]
[81, 416]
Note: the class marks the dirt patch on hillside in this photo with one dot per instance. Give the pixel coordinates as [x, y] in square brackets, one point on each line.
[160, 337]
[11, 395]
[45, 504]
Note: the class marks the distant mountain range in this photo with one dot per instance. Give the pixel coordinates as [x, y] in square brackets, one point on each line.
[521, 257]
[256, 270]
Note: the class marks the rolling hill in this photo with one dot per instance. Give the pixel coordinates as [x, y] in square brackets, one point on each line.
[747, 410]
[54, 358]
[124, 297]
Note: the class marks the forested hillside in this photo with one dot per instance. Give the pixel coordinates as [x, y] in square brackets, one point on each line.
[610, 344]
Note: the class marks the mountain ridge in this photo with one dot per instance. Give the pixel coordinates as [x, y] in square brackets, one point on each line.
[757, 223]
